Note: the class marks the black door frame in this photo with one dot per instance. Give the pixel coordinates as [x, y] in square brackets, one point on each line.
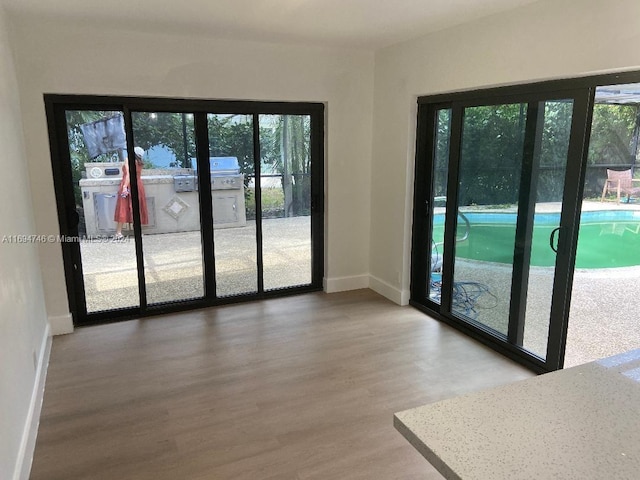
[56, 105]
[582, 90]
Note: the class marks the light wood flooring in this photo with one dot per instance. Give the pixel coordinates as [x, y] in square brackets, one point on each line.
[303, 387]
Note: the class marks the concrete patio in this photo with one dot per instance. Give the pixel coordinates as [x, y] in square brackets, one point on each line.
[174, 270]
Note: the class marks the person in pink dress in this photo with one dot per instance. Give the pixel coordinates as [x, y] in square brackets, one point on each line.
[123, 213]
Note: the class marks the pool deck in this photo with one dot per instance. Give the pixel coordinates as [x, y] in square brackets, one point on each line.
[550, 207]
[589, 206]
[603, 318]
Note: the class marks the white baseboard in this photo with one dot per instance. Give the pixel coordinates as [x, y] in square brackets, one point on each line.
[28, 443]
[342, 284]
[61, 324]
[401, 297]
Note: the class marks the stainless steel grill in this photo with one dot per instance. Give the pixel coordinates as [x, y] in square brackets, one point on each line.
[227, 192]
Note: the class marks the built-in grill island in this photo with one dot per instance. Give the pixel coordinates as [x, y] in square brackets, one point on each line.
[227, 192]
[172, 197]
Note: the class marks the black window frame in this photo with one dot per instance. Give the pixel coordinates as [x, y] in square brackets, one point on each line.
[55, 107]
[423, 188]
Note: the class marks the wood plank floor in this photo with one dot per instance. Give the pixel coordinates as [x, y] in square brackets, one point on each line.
[300, 388]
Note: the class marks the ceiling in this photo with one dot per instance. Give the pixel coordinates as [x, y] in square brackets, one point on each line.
[363, 24]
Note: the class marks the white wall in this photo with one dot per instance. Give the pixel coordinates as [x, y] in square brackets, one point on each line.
[544, 40]
[23, 324]
[55, 56]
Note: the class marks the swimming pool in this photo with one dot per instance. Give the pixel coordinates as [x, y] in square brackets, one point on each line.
[607, 239]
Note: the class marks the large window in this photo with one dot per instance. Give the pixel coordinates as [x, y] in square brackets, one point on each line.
[179, 204]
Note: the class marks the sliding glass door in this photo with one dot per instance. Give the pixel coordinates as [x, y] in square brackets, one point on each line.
[95, 151]
[549, 176]
[169, 206]
[490, 167]
[180, 204]
[286, 201]
[493, 211]
[233, 200]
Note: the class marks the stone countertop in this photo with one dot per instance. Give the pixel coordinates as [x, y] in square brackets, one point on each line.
[578, 423]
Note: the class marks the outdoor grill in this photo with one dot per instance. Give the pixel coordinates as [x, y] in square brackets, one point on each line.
[227, 192]
[172, 197]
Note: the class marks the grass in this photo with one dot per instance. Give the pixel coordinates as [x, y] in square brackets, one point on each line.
[272, 202]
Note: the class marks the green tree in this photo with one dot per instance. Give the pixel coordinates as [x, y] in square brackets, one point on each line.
[613, 133]
[554, 145]
[491, 154]
[492, 150]
[287, 141]
[443, 139]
